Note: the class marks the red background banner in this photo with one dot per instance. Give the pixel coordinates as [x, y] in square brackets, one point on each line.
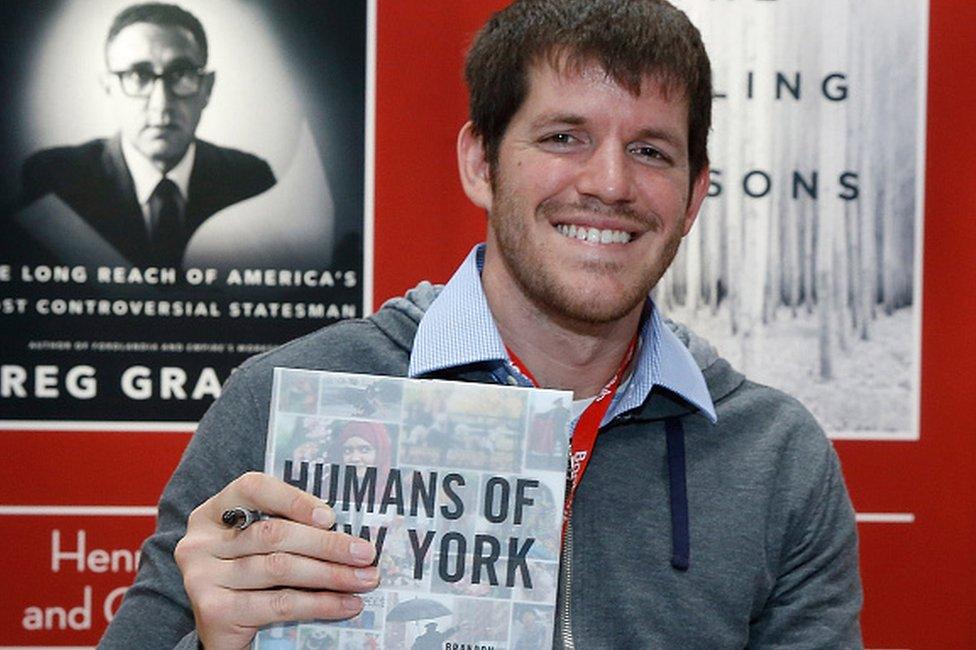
[918, 576]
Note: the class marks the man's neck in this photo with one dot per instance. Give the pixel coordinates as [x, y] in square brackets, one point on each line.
[146, 172]
[561, 353]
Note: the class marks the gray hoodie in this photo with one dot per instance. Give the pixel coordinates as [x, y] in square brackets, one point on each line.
[686, 534]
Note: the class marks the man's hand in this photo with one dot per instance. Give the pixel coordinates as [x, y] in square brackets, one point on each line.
[286, 568]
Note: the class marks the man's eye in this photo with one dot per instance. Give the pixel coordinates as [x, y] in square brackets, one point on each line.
[181, 74]
[560, 138]
[647, 151]
[140, 76]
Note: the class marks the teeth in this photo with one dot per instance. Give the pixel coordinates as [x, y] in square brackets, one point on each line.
[594, 235]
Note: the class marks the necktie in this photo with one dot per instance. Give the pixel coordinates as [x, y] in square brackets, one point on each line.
[166, 233]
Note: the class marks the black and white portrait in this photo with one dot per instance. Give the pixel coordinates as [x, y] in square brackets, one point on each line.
[181, 186]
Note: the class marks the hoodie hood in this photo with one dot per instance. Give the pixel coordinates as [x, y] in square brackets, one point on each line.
[720, 377]
[398, 319]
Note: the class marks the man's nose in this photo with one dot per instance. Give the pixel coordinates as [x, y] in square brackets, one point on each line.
[160, 96]
[606, 174]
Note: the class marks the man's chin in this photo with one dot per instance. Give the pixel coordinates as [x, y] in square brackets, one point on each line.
[590, 304]
[162, 149]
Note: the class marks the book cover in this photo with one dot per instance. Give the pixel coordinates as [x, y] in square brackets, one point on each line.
[459, 485]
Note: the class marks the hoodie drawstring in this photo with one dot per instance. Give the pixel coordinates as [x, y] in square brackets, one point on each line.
[678, 489]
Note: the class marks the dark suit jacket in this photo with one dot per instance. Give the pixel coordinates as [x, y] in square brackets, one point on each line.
[93, 179]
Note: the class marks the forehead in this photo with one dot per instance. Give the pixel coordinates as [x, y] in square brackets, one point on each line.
[586, 91]
[157, 45]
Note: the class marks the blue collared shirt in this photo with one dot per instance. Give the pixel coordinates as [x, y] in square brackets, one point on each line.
[458, 329]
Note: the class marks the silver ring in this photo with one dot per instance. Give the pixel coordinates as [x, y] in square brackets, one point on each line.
[239, 517]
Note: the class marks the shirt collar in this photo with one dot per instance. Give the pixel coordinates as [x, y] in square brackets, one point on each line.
[145, 176]
[663, 360]
[443, 342]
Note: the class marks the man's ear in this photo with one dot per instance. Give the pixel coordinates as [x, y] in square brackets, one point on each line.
[105, 81]
[473, 167]
[207, 84]
[699, 190]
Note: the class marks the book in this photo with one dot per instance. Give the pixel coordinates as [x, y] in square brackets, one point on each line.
[459, 485]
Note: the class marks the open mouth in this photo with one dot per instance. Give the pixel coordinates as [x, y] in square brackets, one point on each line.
[594, 235]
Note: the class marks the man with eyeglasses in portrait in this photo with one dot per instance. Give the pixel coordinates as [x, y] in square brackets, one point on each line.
[149, 187]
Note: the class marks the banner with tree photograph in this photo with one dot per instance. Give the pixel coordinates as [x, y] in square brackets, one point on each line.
[804, 266]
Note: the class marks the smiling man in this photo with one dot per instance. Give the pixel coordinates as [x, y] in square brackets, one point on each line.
[706, 511]
[146, 190]
[588, 197]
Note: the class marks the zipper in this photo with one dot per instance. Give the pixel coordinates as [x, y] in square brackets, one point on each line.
[565, 634]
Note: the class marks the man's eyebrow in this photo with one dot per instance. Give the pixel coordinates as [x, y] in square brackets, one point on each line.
[666, 135]
[182, 63]
[549, 119]
[179, 63]
[140, 66]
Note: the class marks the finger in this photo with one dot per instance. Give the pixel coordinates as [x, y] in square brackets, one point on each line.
[287, 570]
[272, 496]
[260, 608]
[282, 535]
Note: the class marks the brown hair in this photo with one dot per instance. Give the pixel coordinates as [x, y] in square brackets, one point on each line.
[630, 39]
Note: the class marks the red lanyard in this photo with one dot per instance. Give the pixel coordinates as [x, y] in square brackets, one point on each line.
[588, 424]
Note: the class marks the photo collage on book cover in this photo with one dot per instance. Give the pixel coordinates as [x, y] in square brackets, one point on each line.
[491, 436]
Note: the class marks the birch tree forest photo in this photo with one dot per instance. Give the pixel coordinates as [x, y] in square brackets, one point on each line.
[803, 266]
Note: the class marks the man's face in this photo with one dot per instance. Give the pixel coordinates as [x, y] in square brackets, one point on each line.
[590, 195]
[160, 126]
